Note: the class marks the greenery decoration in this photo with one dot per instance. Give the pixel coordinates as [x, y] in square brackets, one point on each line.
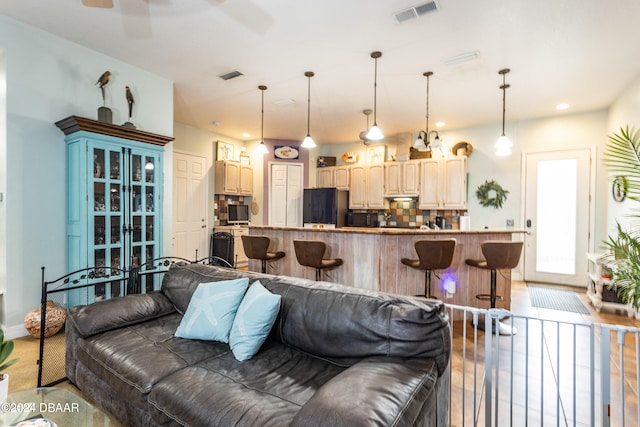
[6, 348]
[622, 159]
[491, 194]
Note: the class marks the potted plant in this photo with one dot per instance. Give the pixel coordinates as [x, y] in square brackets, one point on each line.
[6, 348]
[622, 159]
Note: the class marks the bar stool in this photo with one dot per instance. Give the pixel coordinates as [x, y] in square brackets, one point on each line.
[432, 255]
[256, 247]
[310, 253]
[499, 255]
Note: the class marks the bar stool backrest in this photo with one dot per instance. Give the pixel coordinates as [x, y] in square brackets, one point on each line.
[435, 254]
[501, 254]
[309, 252]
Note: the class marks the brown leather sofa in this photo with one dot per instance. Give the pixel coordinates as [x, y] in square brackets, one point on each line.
[336, 356]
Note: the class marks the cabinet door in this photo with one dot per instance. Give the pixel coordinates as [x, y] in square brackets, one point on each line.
[231, 178]
[357, 188]
[454, 191]
[341, 177]
[238, 249]
[375, 187]
[325, 177]
[246, 180]
[429, 184]
[392, 178]
[410, 177]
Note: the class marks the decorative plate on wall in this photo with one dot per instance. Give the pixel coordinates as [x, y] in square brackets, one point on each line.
[285, 152]
[350, 157]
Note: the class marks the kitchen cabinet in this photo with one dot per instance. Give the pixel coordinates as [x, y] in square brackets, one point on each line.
[443, 183]
[366, 187]
[237, 231]
[114, 202]
[333, 176]
[401, 178]
[233, 178]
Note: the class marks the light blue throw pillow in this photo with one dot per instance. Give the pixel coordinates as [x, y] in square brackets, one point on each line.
[254, 319]
[212, 309]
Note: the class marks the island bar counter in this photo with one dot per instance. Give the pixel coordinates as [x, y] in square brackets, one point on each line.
[372, 260]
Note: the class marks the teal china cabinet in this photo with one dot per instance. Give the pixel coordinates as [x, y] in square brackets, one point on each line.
[114, 203]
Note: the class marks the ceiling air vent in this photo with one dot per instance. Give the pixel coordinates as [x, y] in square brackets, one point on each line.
[415, 11]
[230, 75]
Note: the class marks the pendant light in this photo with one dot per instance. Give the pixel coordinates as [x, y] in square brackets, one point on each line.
[503, 145]
[422, 142]
[262, 149]
[308, 142]
[375, 134]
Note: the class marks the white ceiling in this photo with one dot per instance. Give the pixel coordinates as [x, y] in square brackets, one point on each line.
[583, 52]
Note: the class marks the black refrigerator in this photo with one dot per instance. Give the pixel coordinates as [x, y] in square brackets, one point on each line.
[327, 206]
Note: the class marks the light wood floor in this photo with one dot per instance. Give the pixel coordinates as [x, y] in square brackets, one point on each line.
[23, 375]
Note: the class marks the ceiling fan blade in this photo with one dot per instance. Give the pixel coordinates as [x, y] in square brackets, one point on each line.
[247, 13]
[136, 19]
[105, 4]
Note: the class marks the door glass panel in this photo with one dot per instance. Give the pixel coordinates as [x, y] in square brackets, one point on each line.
[115, 229]
[136, 168]
[556, 213]
[98, 163]
[137, 198]
[137, 252]
[115, 260]
[98, 197]
[99, 230]
[149, 199]
[149, 230]
[114, 199]
[114, 165]
[149, 168]
[137, 228]
[100, 262]
[149, 255]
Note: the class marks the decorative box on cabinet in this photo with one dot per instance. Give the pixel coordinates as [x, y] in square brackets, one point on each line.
[114, 200]
[237, 231]
[333, 177]
[401, 178]
[597, 287]
[443, 183]
[366, 187]
[233, 178]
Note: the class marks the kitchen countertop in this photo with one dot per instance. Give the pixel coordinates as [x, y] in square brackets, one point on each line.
[388, 230]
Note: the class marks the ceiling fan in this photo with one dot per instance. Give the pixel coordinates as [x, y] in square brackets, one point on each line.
[363, 135]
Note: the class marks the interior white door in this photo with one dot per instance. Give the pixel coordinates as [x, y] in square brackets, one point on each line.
[558, 214]
[190, 189]
[286, 183]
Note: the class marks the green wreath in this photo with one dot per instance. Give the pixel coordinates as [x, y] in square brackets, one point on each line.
[491, 194]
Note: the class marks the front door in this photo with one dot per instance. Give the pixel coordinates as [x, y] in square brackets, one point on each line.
[190, 231]
[558, 216]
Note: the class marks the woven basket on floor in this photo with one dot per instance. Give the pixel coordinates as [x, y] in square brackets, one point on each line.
[54, 320]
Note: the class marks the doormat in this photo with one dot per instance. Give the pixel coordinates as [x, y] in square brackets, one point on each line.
[555, 299]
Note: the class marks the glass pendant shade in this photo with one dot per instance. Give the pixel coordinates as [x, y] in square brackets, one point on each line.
[419, 143]
[503, 146]
[375, 134]
[262, 149]
[308, 142]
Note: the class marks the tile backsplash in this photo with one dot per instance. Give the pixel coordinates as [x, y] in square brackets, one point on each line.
[407, 214]
[221, 203]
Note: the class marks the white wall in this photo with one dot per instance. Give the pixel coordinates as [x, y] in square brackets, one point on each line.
[48, 79]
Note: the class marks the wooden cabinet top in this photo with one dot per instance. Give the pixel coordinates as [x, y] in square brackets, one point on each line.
[74, 124]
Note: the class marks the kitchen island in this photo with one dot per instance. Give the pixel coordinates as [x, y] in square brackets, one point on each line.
[372, 260]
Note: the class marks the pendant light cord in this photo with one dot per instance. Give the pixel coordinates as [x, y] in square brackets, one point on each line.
[504, 96]
[309, 75]
[427, 115]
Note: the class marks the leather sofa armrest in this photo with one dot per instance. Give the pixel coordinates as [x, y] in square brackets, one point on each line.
[378, 391]
[116, 313]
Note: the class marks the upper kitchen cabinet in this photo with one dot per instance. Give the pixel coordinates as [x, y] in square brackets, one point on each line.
[443, 183]
[333, 176]
[233, 178]
[401, 178]
[366, 187]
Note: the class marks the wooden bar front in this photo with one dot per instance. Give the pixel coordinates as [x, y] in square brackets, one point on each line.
[372, 260]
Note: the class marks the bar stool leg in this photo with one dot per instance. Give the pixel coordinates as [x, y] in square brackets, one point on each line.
[493, 288]
[264, 265]
[318, 274]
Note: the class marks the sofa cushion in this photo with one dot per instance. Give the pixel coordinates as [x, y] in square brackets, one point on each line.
[253, 322]
[267, 390]
[361, 323]
[134, 358]
[212, 309]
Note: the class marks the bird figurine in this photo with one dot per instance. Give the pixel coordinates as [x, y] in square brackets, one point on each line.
[102, 82]
[130, 100]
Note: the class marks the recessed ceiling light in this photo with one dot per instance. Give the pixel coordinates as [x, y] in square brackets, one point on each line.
[246, 135]
[562, 106]
[440, 124]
